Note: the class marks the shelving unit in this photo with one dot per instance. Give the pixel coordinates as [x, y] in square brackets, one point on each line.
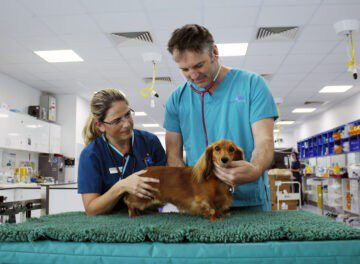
[332, 142]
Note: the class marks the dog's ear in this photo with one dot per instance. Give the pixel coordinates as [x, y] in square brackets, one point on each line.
[239, 154]
[204, 166]
[209, 162]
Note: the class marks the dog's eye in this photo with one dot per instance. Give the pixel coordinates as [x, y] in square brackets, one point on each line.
[217, 148]
[231, 149]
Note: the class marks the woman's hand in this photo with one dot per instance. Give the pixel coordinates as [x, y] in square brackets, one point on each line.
[139, 186]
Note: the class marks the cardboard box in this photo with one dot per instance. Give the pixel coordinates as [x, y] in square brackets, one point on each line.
[278, 175]
[292, 205]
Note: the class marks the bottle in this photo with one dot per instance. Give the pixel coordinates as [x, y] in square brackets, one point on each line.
[8, 175]
[336, 169]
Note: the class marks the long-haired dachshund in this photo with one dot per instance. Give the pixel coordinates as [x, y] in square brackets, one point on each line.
[194, 190]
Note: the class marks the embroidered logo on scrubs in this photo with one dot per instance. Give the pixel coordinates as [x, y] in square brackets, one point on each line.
[238, 98]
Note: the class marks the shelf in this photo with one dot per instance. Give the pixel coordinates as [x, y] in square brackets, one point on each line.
[324, 144]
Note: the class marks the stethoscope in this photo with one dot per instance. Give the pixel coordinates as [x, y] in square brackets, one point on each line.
[126, 159]
[202, 94]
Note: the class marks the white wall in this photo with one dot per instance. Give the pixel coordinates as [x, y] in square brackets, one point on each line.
[288, 140]
[66, 107]
[73, 112]
[82, 114]
[347, 111]
[17, 94]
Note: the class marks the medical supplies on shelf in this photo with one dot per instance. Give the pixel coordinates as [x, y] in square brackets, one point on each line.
[335, 196]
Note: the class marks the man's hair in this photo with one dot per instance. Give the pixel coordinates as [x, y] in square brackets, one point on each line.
[191, 37]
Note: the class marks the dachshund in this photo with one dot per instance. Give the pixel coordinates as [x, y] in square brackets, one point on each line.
[194, 190]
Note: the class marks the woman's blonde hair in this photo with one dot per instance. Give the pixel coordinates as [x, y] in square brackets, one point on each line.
[100, 103]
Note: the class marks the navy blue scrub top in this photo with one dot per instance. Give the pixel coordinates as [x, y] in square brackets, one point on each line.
[97, 172]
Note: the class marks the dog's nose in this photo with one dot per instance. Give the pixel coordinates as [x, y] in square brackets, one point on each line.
[224, 160]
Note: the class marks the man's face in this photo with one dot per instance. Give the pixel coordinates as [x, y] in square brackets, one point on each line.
[197, 67]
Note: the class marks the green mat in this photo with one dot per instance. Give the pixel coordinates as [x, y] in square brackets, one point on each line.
[241, 226]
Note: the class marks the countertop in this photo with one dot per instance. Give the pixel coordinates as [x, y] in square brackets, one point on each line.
[6, 186]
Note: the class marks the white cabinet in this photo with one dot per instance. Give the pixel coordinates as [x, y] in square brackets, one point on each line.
[36, 134]
[55, 139]
[24, 132]
[9, 194]
[4, 127]
[64, 200]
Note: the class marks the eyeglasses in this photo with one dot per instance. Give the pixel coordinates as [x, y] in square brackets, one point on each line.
[121, 120]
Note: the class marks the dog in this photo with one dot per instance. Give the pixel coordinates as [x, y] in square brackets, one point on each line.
[194, 190]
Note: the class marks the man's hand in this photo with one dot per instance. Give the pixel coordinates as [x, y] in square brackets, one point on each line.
[238, 172]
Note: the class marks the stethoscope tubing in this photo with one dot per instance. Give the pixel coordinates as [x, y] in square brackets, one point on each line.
[202, 94]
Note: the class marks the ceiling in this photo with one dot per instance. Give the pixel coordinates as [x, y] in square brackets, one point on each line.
[299, 68]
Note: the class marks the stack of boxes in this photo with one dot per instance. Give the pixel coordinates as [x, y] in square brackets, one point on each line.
[280, 175]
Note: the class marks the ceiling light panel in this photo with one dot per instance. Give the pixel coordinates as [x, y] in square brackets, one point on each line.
[336, 89]
[303, 110]
[232, 49]
[54, 56]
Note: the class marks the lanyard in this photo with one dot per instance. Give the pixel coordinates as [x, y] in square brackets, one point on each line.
[202, 94]
[126, 159]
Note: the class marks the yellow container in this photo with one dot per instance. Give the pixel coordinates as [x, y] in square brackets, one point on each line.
[319, 197]
[23, 173]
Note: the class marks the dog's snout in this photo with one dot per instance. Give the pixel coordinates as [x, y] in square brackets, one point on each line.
[224, 160]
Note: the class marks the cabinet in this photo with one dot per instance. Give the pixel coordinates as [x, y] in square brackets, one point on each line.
[24, 132]
[64, 200]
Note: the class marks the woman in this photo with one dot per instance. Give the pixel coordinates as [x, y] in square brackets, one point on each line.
[295, 169]
[115, 155]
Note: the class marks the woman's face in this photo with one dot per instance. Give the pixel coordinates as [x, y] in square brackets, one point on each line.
[122, 124]
[293, 156]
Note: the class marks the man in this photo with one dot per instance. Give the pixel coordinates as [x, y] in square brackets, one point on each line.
[218, 102]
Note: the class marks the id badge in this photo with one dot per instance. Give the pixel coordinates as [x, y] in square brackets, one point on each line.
[114, 170]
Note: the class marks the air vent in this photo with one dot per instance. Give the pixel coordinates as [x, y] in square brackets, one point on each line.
[277, 33]
[313, 103]
[157, 79]
[142, 36]
[267, 77]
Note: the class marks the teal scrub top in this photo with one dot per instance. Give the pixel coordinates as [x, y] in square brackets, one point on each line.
[241, 99]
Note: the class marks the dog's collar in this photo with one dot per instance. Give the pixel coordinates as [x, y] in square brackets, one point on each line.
[232, 189]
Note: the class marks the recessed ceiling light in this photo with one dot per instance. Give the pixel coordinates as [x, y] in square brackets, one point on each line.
[59, 55]
[13, 134]
[150, 125]
[140, 114]
[285, 122]
[303, 110]
[232, 49]
[336, 89]
[160, 133]
[4, 115]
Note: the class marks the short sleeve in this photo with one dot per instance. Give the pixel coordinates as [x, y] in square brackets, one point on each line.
[171, 120]
[158, 155]
[295, 165]
[89, 174]
[262, 104]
